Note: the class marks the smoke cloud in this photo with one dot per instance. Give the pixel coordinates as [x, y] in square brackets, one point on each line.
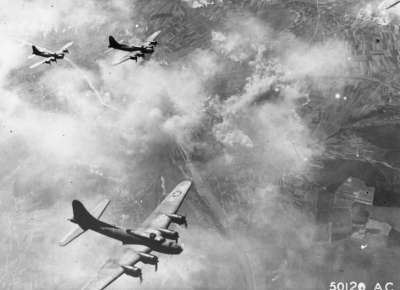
[231, 107]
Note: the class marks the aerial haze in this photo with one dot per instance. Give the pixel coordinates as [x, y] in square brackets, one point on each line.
[249, 99]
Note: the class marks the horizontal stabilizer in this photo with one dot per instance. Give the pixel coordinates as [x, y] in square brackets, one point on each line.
[108, 50]
[72, 235]
[100, 208]
[97, 212]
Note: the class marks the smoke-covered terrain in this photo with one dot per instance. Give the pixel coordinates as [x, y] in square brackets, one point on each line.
[268, 106]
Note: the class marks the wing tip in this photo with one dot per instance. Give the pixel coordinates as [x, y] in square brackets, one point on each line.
[187, 181]
[64, 241]
[186, 184]
[68, 44]
[61, 243]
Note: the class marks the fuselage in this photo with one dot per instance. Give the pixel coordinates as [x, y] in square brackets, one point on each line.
[132, 48]
[127, 236]
[50, 54]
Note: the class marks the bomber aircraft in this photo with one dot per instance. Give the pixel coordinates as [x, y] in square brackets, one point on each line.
[50, 56]
[135, 51]
[152, 235]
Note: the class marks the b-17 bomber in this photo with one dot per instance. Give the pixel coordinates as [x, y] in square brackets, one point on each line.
[152, 235]
[50, 56]
[135, 51]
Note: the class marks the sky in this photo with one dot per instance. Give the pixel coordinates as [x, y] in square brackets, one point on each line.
[83, 128]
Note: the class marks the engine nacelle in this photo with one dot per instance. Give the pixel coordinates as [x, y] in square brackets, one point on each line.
[132, 271]
[178, 219]
[152, 236]
[156, 237]
[169, 234]
[148, 258]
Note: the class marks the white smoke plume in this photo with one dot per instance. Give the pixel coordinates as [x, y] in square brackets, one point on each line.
[60, 142]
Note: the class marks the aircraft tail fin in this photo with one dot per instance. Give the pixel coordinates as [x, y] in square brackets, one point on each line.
[112, 42]
[35, 50]
[84, 219]
[81, 215]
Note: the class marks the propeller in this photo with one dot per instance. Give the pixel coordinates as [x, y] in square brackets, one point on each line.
[156, 266]
[184, 221]
[141, 277]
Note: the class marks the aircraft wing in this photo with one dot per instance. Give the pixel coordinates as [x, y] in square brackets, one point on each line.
[152, 37]
[125, 58]
[65, 47]
[112, 269]
[41, 62]
[393, 4]
[122, 59]
[169, 205]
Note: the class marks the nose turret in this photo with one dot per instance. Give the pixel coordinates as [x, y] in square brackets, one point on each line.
[179, 249]
[176, 248]
[172, 247]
